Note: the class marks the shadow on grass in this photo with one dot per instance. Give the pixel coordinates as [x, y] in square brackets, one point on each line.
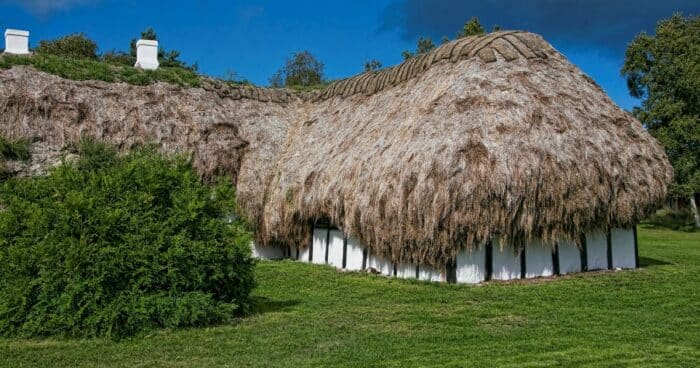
[267, 305]
[651, 262]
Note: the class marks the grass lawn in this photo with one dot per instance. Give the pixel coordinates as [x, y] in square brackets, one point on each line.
[314, 316]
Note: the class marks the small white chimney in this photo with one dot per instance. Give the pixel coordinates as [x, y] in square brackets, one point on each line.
[147, 54]
[16, 41]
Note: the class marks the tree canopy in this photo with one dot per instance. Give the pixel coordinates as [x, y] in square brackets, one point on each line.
[472, 28]
[663, 70]
[76, 46]
[301, 69]
[372, 65]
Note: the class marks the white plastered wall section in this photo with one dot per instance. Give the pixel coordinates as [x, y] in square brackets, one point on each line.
[539, 261]
[506, 261]
[569, 257]
[597, 250]
[624, 248]
[471, 265]
[320, 240]
[490, 261]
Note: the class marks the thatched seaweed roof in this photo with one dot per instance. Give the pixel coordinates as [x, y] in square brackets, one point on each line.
[497, 134]
[483, 136]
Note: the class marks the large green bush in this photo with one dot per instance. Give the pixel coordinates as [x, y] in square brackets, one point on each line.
[76, 46]
[113, 245]
[680, 219]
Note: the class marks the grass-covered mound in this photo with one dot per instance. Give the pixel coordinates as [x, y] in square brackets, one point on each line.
[89, 69]
[114, 245]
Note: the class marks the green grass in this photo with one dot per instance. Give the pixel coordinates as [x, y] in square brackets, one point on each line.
[14, 149]
[87, 69]
[314, 316]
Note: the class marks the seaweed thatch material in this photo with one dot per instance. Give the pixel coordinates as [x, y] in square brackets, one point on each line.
[484, 136]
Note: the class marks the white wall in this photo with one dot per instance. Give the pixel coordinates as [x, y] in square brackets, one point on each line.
[471, 265]
[406, 271]
[304, 254]
[506, 262]
[267, 252]
[427, 273]
[569, 257]
[335, 249]
[538, 260]
[354, 255]
[382, 265]
[319, 244]
[597, 250]
[623, 252]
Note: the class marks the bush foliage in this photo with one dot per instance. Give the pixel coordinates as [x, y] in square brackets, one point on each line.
[113, 245]
[680, 219]
[75, 46]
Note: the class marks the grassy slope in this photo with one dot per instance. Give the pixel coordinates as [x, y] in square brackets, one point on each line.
[85, 69]
[314, 316]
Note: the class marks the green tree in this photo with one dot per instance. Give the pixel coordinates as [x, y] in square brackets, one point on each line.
[76, 46]
[663, 70]
[300, 70]
[372, 65]
[423, 45]
[471, 28]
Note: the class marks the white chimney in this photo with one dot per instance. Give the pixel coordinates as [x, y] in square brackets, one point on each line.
[16, 41]
[147, 54]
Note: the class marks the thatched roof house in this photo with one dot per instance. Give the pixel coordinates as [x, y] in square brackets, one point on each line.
[497, 134]
[489, 136]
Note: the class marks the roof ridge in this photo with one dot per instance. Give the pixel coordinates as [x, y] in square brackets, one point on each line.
[509, 45]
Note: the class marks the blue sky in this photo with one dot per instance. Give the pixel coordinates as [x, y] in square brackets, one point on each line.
[253, 38]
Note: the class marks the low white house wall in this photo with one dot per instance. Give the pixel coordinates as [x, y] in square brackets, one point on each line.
[267, 252]
[406, 271]
[569, 256]
[471, 265]
[624, 250]
[426, 273]
[616, 248]
[506, 262]
[318, 252]
[381, 265]
[354, 256]
[336, 248]
[538, 260]
[597, 251]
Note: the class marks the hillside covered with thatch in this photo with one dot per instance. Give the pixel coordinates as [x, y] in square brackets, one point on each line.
[483, 136]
